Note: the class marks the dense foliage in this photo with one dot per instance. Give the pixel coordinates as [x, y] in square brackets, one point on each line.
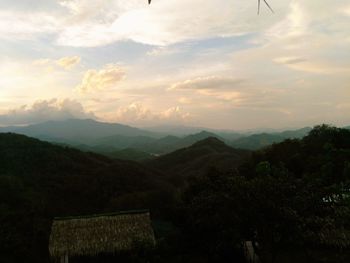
[290, 199]
[39, 180]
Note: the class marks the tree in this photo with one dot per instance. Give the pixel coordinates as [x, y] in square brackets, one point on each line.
[293, 195]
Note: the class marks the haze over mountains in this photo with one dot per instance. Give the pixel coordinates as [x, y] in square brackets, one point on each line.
[126, 142]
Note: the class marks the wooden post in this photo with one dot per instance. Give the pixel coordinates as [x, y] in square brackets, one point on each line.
[250, 255]
[64, 259]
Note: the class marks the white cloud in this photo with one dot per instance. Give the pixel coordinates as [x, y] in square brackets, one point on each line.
[25, 25]
[103, 79]
[311, 38]
[44, 110]
[285, 62]
[174, 114]
[162, 23]
[68, 62]
[41, 78]
[136, 112]
[294, 26]
[317, 67]
[227, 93]
[64, 62]
[207, 83]
[185, 100]
[346, 10]
[95, 23]
[290, 60]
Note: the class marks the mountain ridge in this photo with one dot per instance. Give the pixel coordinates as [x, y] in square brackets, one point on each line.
[198, 158]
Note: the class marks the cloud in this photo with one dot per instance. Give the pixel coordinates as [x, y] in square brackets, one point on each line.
[185, 100]
[84, 23]
[13, 26]
[224, 93]
[103, 79]
[64, 62]
[290, 60]
[45, 110]
[346, 10]
[68, 62]
[207, 83]
[229, 60]
[310, 38]
[136, 112]
[223, 89]
[174, 114]
[293, 26]
[317, 67]
[162, 23]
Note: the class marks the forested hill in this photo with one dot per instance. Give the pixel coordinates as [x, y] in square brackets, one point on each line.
[24, 156]
[292, 197]
[39, 180]
[76, 131]
[198, 158]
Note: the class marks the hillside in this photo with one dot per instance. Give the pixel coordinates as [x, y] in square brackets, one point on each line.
[293, 197]
[39, 180]
[75, 131]
[257, 141]
[130, 154]
[198, 158]
[123, 141]
[172, 143]
[104, 138]
[146, 144]
[261, 140]
[181, 131]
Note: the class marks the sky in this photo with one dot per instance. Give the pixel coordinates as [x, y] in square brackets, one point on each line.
[207, 63]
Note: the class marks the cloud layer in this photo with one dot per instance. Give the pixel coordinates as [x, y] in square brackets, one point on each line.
[103, 79]
[226, 66]
[45, 110]
[85, 23]
[64, 62]
[137, 113]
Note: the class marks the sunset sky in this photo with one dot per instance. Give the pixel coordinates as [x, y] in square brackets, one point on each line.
[209, 63]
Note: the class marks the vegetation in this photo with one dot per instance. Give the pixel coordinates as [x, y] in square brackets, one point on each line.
[117, 140]
[39, 181]
[290, 199]
[198, 159]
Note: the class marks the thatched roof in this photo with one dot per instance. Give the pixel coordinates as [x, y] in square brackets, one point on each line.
[104, 233]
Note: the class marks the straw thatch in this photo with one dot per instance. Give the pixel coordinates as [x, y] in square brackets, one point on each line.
[107, 233]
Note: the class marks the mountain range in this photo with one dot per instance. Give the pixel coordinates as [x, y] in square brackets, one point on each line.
[197, 159]
[126, 142]
[41, 180]
[77, 130]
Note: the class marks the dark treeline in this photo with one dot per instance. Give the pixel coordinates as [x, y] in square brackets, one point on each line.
[290, 199]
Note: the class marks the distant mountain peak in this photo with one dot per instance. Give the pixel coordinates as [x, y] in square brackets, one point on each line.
[77, 130]
[210, 141]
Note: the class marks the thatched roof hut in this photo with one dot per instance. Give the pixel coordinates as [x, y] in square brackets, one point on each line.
[104, 233]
